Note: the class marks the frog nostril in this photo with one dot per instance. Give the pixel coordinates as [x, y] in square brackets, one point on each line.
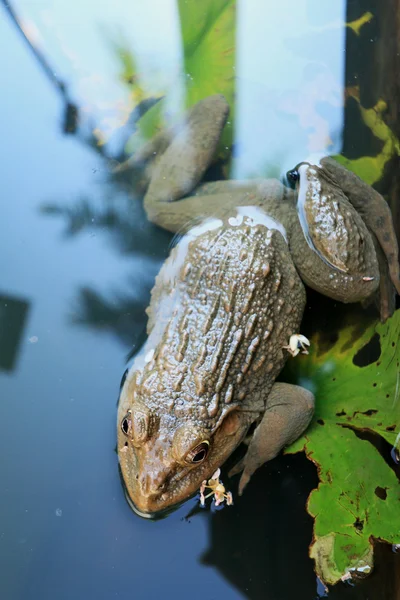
[144, 483]
[149, 485]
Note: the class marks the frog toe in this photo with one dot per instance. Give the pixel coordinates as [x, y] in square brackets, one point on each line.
[238, 468]
[243, 465]
[244, 480]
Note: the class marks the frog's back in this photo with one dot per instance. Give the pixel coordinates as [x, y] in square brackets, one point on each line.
[224, 305]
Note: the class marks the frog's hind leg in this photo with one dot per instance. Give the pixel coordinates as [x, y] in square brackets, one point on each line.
[288, 413]
[147, 156]
[188, 154]
[385, 297]
[374, 211]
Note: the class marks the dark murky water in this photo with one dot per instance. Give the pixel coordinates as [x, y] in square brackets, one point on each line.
[73, 292]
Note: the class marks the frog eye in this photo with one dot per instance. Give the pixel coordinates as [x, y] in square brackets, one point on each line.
[126, 424]
[293, 176]
[198, 454]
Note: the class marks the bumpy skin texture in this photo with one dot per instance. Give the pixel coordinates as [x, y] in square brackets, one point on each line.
[374, 211]
[218, 322]
[225, 304]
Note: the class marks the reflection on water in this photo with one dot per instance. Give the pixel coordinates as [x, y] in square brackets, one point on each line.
[68, 527]
[123, 222]
[290, 74]
[13, 315]
[258, 564]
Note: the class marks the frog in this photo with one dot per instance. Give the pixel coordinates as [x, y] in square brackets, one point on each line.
[228, 303]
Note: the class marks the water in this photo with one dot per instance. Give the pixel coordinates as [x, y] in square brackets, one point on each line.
[72, 305]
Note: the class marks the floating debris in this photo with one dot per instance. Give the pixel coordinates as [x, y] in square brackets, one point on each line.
[217, 490]
[361, 571]
[297, 343]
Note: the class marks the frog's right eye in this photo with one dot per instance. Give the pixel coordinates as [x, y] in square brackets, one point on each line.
[293, 177]
[198, 454]
[126, 424]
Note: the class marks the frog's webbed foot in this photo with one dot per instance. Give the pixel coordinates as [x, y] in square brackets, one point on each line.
[288, 413]
[373, 209]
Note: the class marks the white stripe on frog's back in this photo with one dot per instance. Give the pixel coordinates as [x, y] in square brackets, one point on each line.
[252, 215]
[167, 280]
[166, 291]
[178, 255]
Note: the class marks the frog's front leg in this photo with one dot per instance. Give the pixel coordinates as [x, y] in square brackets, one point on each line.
[373, 209]
[288, 412]
[333, 246]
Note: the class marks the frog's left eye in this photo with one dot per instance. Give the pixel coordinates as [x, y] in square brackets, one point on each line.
[126, 424]
[198, 454]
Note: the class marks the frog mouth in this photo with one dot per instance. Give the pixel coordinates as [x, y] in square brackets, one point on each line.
[154, 515]
[138, 512]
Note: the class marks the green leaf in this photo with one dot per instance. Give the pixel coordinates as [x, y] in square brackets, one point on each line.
[128, 72]
[357, 412]
[371, 168]
[357, 24]
[208, 34]
[146, 127]
[208, 37]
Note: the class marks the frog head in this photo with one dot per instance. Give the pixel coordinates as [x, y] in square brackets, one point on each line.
[167, 449]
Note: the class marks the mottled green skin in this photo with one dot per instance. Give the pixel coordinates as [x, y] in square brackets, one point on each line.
[223, 307]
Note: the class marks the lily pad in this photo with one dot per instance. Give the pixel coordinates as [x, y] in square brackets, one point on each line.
[208, 33]
[354, 441]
